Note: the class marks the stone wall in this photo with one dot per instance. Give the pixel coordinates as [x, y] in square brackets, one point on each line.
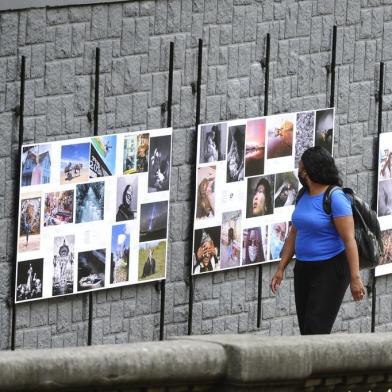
[134, 36]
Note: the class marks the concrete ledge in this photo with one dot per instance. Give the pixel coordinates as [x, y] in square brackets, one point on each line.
[222, 362]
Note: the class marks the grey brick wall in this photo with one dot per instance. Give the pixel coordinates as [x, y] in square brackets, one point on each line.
[59, 44]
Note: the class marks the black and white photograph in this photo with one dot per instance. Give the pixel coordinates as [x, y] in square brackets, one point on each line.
[36, 164]
[304, 134]
[213, 139]
[280, 136]
[153, 221]
[159, 164]
[127, 195]
[90, 202]
[254, 245]
[260, 196]
[231, 239]
[91, 269]
[235, 154]
[206, 250]
[286, 189]
[63, 265]
[119, 262]
[30, 224]
[384, 198]
[29, 280]
[324, 129]
[152, 256]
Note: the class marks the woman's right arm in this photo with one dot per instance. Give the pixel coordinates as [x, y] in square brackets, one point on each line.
[287, 255]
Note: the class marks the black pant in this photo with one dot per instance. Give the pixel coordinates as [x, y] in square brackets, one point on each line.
[319, 290]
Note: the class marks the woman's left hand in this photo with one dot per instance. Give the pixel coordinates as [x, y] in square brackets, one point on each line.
[357, 288]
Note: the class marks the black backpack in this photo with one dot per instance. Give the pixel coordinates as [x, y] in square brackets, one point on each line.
[367, 227]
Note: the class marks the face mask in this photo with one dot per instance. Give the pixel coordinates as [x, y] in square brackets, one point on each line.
[276, 246]
[252, 252]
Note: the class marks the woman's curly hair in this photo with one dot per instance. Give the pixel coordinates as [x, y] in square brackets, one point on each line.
[320, 166]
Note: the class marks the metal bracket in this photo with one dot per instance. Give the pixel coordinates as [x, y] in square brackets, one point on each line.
[163, 108]
[263, 62]
[194, 88]
[89, 117]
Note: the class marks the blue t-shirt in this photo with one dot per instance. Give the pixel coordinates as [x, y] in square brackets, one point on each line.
[317, 238]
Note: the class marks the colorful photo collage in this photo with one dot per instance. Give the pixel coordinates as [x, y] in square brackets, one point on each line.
[384, 201]
[93, 213]
[247, 184]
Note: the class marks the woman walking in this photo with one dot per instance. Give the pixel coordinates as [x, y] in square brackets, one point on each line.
[324, 245]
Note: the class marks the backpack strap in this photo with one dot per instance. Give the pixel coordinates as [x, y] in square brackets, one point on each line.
[299, 194]
[328, 197]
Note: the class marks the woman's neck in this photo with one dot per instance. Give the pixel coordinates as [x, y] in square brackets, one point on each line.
[316, 188]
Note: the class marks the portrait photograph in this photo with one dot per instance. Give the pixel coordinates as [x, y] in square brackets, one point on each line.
[36, 162]
[58, 208]
[91, 269]
[384, 206]
[30, 224]
[90, 202]
[103, 156]
[127, 195]
[304, 134]
[254, 147]
[286, 189]
[206, 250]
[75, 163]
[386, 238]
[29, 280]
[324, 129]
[152, 256]
[159, 164]
[136, 148]
[278, 235]
[205, 196]
[153, 221]
[235, 153]
[280, 136]
[260, 196]
[254, 245]
[213, 139]
[231, 239]
[63, 265]
[119, 258]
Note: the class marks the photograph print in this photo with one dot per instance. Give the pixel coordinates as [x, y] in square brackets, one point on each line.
[254, 245]
[30, 224]
[384, 207]
[213, 138]
[152, 257]
[235, 153]
[75, 163]
[278, 235]
[386, 238]
[119, 259]
[304, 134]
[91, 269]
[127, 194]
[136, 149]
[29, 280]
[58, 208]
[159, 165]
[324, 129]
[260, 195]
[286, 189]
[36, 164]
[385, 156]
[90, 202]
[63, 265]
[205, 197]
[103, 156]
[206, 250]
[153, 221]
[254, 147]
[280, 136]
[230, 244]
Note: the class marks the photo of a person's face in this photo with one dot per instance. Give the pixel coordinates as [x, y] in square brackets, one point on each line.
[258, 203]
[259, 198]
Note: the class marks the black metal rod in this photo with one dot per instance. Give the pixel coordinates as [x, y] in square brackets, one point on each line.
[168, 122]
[96, 109]
[375, 196]
[333, 67]
[192, 212]
[17, 195]
[266, 91]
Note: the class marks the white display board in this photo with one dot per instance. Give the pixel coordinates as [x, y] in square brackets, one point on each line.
[384, 201]
[93, 213]
[247, 183]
